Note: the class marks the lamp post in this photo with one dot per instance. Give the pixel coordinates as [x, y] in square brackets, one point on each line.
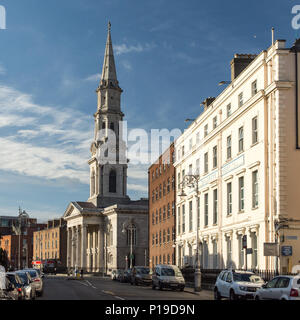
[192, 180]
[129, 228]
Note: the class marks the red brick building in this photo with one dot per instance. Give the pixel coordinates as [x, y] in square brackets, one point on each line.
[161, 188]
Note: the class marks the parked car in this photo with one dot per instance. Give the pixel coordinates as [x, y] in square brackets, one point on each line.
[27, 283]
[280, 288]
[115, 274]
[36, 280]
[14, 286]
[119, 274]
[126, 276]
[234, 284]
[167, 276]
[141, 275]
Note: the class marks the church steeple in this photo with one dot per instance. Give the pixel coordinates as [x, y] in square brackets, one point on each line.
[108, 179]
[109, 73]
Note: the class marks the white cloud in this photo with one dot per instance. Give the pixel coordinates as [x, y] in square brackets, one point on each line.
[51, 142]
[137, 187]
[2, 70]
[93, 77]
[124, 48]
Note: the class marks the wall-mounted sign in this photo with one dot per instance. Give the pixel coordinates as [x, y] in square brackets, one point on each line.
[287, 251]
[271, 249]
[291, 237]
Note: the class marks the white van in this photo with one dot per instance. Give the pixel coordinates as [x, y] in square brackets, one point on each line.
[167, 276]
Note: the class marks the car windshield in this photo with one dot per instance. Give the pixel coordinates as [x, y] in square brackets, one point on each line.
[32, 273]
[143, 270]
[23, 277]
[171, 272]
[247, 277]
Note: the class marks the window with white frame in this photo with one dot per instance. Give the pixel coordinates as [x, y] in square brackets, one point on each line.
[206, 162]
[205, 130]
[229, 198]
[198, 138]
[254, 250]
[198, 166]
[254, 88]
[215, 254]
[255, 189]
[191, 144]
[241, 193]
[240, 99]
[229, 147]
[191, 216]
[228, 110]
[215, 122]
[254, 130]
[215, 211]
[241, 139]
[241, 251]
[215, 156]
[206, 209]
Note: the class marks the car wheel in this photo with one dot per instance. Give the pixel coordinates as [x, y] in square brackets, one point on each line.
[217, 295]
[136, 283]
[257, 298]
[160, 287]
[153, 286]
[232, 295]
[181, 289]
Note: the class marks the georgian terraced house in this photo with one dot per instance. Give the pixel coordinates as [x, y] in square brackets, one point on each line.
[245, 147]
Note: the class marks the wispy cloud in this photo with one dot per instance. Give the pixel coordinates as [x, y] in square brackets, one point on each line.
[93, 77]
[2, 70]
[51, 143]
[124, 48]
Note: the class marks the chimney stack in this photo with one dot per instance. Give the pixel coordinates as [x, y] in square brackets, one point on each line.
[239, 63]
[207, 102]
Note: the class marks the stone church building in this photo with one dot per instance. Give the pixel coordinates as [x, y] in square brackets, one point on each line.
[108, 231]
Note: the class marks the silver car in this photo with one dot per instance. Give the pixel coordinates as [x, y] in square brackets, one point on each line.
[37, 281]
[280, 288]
[167, 276]
[28, 286]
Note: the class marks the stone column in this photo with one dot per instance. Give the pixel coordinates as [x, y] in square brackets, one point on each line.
[83, 247]
[68, 248]
[77, 247]
[88, 251]
[99, 251]
[94, 250]
[72, 247]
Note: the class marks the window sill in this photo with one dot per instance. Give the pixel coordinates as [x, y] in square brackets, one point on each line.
[229, 215]
[254, 144]
[254, 208]
[240, 152]
[241, 211]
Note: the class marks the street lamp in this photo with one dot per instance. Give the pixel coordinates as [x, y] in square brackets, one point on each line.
[129, 228]
[192, 180]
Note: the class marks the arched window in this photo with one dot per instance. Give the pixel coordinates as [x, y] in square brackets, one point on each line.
[103, 125]
[112, 126]
[131, 235]
[113, 181]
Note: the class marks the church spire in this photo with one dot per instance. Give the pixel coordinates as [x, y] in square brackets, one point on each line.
[109, 74]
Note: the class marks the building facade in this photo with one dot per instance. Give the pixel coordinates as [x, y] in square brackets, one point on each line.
[108, 231]
[244, 149]
[51, 243]
[161, 188]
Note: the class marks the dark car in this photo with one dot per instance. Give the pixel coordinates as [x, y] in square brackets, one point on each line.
[14, 286]
[141, 275]
[126, 277]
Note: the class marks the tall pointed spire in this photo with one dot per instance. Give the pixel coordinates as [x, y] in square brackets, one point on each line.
[109, 74]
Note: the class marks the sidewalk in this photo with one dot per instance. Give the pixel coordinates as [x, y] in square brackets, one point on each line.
[202, 295]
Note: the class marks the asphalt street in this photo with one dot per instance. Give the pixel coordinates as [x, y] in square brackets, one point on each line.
[97, 288]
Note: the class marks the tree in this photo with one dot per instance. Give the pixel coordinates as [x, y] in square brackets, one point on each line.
[3, 258]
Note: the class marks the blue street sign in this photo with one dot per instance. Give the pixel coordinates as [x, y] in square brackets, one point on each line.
[286, 250]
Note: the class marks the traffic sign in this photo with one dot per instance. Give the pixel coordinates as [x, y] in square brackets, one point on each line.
[287, 250]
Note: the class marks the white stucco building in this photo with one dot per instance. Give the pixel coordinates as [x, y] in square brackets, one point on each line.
[245, 147]
[109, 230]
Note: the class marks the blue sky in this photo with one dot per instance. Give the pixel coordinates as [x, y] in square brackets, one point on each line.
[170, 56]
